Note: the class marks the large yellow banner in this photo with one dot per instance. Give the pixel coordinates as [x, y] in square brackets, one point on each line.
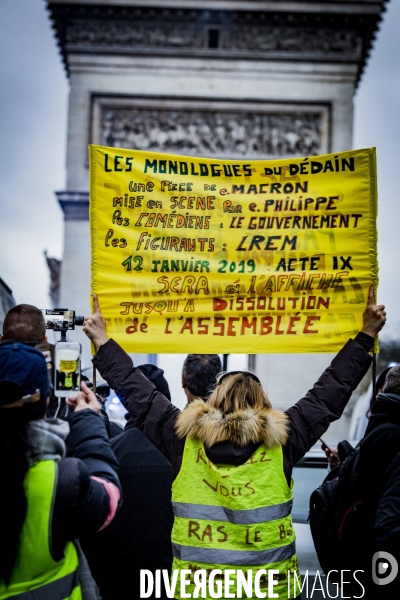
[226, 256]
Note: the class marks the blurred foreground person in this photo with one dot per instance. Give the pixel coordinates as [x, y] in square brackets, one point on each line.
[233, 455]
[47, 500]
[359, 418]
[380, 484]
[140, 535]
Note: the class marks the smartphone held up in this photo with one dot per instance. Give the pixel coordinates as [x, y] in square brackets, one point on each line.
[67, 369]
[67, 358]
[59, 319]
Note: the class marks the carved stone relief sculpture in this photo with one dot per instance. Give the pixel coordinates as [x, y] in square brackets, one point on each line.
[217, 133]
[120, 33]
[284, 39]
[265, 39]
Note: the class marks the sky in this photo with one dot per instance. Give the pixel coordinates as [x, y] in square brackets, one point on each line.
[33, 127]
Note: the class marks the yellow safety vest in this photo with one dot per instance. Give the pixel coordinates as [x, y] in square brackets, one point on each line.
[36, 575]
[229, 517]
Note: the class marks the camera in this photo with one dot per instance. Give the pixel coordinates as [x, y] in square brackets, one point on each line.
[67, 359]
[59, 319]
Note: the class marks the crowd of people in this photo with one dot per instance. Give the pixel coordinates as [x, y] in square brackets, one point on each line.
[86, 507]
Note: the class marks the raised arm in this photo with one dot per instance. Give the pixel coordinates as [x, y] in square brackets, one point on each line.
[311, 416]
[374, 316]
[151, 412]
[95, 326]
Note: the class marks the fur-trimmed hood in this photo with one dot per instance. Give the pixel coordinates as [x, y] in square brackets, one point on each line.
[210, 425]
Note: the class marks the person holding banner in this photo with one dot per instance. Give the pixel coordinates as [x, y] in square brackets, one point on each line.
[225, 517]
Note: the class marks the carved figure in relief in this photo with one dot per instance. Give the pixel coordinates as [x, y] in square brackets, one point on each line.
[206, 133]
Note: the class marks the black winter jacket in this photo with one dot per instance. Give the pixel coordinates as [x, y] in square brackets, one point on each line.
[83, 504]
[140, 535]
[309, 418]
[380, 481]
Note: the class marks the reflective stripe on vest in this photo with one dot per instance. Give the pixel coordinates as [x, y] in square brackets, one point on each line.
[60, 588]
[229, 517]
[240, 517]
[36, 575]
[236, 558]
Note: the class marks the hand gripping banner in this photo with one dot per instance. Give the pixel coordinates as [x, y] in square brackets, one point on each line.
[226, 256]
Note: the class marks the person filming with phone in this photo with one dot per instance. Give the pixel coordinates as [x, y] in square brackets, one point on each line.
[50, 494]
[25, 323]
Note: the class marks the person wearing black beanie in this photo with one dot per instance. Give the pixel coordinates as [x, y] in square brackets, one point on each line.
[156, 376]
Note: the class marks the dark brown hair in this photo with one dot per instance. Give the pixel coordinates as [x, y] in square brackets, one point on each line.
[24, 323]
